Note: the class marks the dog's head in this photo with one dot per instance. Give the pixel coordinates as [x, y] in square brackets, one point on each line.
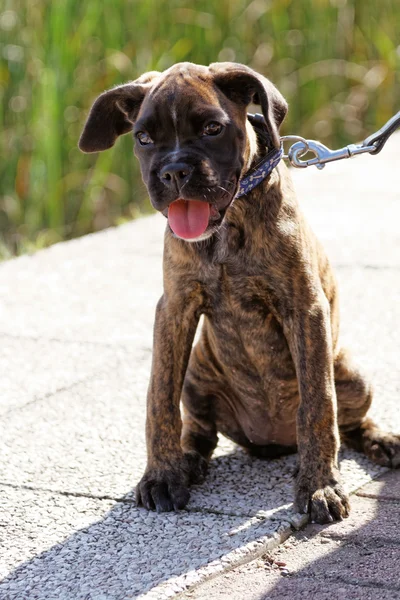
[192, 136]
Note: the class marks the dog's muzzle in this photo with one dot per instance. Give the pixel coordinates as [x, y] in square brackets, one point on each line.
[195, 203]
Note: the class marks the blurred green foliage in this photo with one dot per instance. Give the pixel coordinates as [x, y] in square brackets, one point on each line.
[336, 61]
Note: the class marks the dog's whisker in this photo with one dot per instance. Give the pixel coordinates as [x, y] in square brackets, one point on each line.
[228, 182]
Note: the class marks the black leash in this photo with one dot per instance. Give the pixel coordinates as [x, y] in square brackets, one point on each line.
[380, 138]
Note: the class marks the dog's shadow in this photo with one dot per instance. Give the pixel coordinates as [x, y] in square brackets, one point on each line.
[243, 506]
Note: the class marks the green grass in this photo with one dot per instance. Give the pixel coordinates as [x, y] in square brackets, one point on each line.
[336, 61]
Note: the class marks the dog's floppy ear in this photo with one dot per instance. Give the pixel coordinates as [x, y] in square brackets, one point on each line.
[244, 86]
[114, 113]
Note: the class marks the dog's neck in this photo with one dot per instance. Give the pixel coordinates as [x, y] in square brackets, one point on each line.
[252, 151]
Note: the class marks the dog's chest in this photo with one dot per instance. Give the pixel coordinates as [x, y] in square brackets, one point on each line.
[241, 303]
[237, 283]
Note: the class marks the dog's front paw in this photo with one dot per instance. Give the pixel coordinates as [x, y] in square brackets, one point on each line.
[165, 487]
[323, 498]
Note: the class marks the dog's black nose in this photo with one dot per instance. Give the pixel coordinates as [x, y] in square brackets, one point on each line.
[175, 175]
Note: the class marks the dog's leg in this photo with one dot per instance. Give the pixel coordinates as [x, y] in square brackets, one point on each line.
[169, 471]
[353, 391]
[199, 399]
[197, 435]
[354, 396]
[199, 432]
[318, 489]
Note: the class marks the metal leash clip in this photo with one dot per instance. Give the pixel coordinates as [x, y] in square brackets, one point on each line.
[372, 144]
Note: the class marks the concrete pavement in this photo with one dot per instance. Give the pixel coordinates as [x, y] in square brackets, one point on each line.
[76, 334]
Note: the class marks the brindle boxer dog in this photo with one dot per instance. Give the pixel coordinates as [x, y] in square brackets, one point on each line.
[268, 371]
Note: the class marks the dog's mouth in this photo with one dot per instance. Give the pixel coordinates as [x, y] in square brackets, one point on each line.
[190, 219]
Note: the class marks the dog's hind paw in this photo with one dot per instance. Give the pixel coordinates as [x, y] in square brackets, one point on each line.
[382, 448]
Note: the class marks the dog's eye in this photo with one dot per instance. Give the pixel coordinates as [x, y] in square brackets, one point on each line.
[212, 128]
[143, 138]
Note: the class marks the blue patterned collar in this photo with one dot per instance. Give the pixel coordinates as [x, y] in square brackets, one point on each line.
[260, 172]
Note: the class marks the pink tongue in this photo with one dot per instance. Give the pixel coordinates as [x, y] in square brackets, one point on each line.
[188, 219]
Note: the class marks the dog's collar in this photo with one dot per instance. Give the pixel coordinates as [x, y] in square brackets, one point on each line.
[259, 172]
[266, 165]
